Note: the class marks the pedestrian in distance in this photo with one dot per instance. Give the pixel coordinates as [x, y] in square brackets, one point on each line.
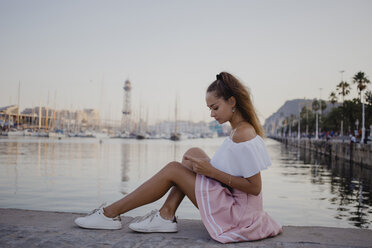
[226, 189]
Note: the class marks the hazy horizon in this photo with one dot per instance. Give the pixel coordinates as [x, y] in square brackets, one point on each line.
[282, 50]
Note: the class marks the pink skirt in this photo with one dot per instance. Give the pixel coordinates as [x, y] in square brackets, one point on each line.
[232, 216]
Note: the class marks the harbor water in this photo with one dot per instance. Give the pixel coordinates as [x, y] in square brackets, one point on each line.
[301, 188]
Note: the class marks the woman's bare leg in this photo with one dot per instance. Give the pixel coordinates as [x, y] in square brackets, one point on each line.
[175, 197]
[173, 174]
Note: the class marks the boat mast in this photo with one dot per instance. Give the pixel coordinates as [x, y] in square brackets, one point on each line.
[47, 115]
[19, 100]
[139, 119]
[32, 117]
[40, 114]
[101, 109]
[176, 116]
[54, 112]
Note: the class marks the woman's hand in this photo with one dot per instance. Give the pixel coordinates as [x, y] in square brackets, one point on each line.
[201, 166]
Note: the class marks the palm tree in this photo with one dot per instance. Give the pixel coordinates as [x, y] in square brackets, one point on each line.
[316, 106]
[333, 97]
[284, 125]
[343, 89]
[323, 105]
[291, 119]
[368, 97]
[307, 118]
[361, 80]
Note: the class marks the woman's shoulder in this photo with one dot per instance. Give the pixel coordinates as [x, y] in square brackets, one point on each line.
[244, 133]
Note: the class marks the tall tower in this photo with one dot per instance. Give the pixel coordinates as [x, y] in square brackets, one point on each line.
[126, 106]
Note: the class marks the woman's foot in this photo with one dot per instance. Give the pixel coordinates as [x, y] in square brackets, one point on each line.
[97, 220]
[153, 222]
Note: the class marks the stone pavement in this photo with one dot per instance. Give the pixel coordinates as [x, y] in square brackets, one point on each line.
[26, 228]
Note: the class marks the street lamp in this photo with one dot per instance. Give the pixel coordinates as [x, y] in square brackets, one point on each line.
[320, 108]
[299, 119]
[299, 126]
[342, 121]
[315, 106]
[363, 128]
[307, 122]
[316, 131]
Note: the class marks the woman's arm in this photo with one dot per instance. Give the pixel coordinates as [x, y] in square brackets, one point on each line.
[250, 185]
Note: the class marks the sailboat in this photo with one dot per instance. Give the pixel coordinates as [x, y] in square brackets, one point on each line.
[16, 131]
[55, 133]
[140, 134]
[175, 136]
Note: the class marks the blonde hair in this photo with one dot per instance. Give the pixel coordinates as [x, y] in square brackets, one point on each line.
[227, 86]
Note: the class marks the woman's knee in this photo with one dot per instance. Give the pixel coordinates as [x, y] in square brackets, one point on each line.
[193, 152]
[174, 165]
[177, 167]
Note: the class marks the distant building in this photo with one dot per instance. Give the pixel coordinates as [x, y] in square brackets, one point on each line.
[8, 115]
[50, 118]
[9, 110]
[88, 117]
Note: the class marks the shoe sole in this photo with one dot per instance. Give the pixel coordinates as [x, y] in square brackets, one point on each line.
[97, 227]
[153, 230]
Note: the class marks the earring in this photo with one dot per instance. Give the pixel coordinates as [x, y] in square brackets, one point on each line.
[233, 110]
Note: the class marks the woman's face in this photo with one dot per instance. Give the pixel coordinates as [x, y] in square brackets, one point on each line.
[221, 110]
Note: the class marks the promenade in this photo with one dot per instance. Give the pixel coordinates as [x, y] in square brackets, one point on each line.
[26, 228]
[335, 149]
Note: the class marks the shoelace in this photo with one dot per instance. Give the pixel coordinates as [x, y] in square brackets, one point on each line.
[149, 215]
[97, 209]
[101, 207]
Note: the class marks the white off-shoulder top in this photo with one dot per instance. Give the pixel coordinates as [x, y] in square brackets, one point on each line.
[244, 159]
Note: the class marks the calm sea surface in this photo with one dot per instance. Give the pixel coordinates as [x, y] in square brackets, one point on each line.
[77, 175]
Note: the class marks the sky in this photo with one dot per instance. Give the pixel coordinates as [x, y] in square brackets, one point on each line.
[78, 54]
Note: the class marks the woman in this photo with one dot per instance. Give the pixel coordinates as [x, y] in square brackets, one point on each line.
[226, 188]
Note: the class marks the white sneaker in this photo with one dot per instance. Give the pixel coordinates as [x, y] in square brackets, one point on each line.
[153, 222]
[97, 220]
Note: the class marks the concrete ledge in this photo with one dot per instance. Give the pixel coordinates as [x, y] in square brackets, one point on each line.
[26, 228]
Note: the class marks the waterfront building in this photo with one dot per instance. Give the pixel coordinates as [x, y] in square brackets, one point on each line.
[7, 115]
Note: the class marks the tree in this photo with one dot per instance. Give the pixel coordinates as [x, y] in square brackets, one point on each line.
[361, 80]
[291, 120]
[352, 110]
[343, 89]
[315, 105]
[368, 97]
[331, 120]
[333, 97]
[323, 105]
[285, 126]
[307, 119]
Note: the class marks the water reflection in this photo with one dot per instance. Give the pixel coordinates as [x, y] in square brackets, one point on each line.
[76, 175]
[125, 158]
[349, 183]
[176, 150]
